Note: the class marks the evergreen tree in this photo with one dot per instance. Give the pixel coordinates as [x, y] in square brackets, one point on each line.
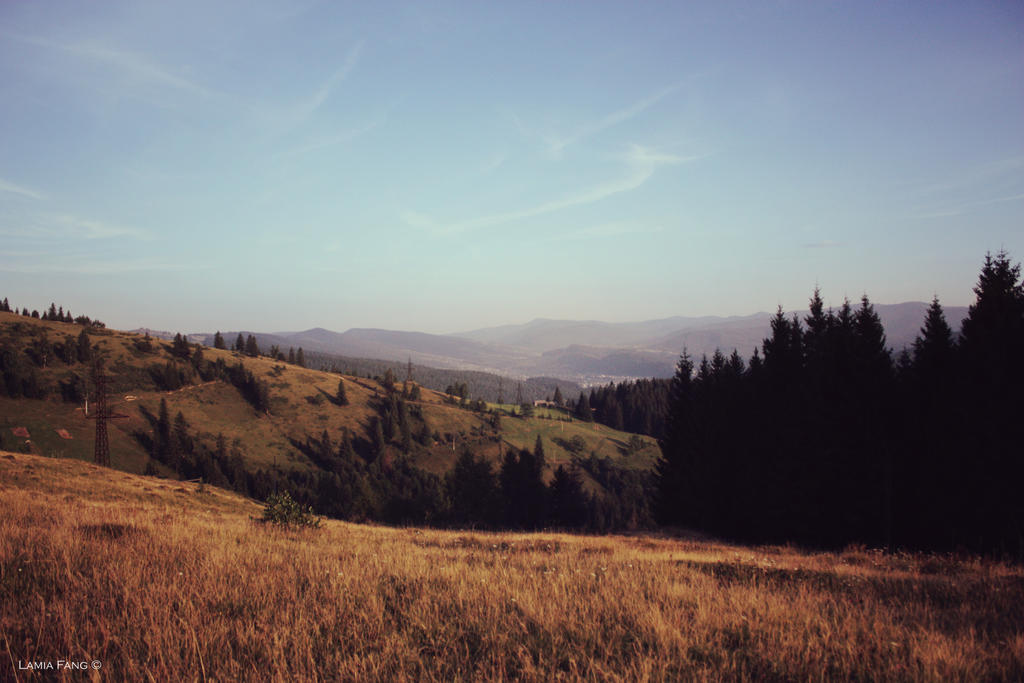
[992, 374]
[471, 488]
[179, 347]
[239, 344]
[933, 347]
[583, 411]
[558, 400]
[300, 358]
[569, 505]
[929, 476]
[291, 355]
[218, 340]
[68, 350]
[180, 436]
[523, 490]
[163, 432]
[377, 436]
[41, 349]
[404, 428]
[341, 397]
[678, 488]
[251, 347]
[197, 358]
[84, 348]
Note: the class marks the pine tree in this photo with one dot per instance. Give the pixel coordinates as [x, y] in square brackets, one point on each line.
[558, 399]
[405, 429]
[84, 348]
[583, 411]
[930, 507]
[472, 490]
[675, 503]
[197, 358]
[251, 347]
[163, 432]
[568, 501]
[341, 397]
[933, 347]
[300, 358]
[239, 344]
[377, 436]
[218, 340]
[991, 343]
[179, 347]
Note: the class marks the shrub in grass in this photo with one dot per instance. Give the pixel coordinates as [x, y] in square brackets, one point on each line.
[281, 509]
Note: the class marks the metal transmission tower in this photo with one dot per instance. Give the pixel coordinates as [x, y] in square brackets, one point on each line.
[102, 414]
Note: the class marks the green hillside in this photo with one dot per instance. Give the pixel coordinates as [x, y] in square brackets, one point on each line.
[300, 407]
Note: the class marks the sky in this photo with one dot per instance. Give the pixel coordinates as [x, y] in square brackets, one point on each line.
[441, 167]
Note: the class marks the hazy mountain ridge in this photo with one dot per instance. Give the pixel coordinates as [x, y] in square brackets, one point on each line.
[588, 351]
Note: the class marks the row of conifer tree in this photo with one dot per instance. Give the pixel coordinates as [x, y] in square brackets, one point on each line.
[826, 438]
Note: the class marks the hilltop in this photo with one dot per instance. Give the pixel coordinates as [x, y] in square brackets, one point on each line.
[169, 580]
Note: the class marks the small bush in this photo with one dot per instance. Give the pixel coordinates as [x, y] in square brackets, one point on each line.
[281, 509]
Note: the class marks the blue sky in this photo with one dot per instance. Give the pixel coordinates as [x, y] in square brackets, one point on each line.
[448, 166]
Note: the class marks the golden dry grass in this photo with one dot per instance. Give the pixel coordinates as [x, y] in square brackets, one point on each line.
[161, 581]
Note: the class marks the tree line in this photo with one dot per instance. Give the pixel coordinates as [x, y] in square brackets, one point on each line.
[826, 438]
[54, 313]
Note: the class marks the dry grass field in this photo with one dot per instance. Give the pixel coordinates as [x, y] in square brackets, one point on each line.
[163, 581]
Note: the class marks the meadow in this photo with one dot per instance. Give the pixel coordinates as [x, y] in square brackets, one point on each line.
[163, 580]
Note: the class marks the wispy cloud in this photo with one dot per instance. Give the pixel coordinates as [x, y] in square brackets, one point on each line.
[985, 174]
[308, 107]
[641, 162]
[968, 207]
[556, 145]
[93, 229]
[69, 227]
[88, 266]
[613, 229]
[590, 195]
[12, 188]
[337, 139]
[495, 161]
[129, 63]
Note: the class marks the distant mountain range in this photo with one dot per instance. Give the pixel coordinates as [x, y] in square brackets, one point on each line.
[585, 351]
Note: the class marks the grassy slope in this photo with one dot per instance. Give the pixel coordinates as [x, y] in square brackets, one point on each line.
[300, 406]
[161, 581]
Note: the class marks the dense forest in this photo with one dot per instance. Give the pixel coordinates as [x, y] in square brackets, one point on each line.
[825, 438]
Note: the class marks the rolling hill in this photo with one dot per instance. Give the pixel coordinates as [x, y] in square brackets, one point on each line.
[219, 410]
